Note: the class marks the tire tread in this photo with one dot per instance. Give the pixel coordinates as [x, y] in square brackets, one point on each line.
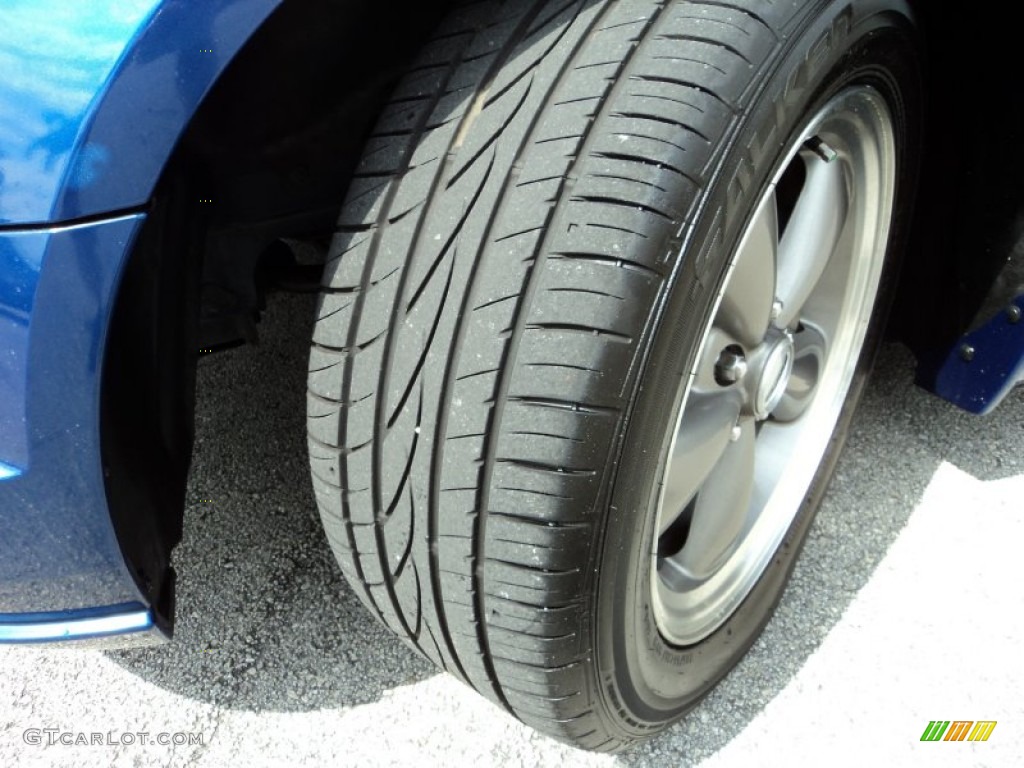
[485, 301]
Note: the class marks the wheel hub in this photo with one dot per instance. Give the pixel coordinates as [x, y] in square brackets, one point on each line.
[758, 408]
[774, 367]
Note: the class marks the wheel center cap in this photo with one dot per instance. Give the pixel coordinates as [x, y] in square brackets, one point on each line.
[775, 370]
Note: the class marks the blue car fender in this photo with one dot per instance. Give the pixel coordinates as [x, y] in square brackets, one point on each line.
[93, 100]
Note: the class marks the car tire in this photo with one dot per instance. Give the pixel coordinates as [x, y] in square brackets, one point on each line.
[604, 293]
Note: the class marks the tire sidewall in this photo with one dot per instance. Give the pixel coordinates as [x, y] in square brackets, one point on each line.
[644, 681]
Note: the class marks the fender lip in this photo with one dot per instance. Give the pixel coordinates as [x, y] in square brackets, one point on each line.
[90, 124]
[129, 625]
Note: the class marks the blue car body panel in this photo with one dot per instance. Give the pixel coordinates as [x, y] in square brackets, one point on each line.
[93, 98]
[56, 58]
[115, 626]
[95, 95]
[58, 549]
[987, 363]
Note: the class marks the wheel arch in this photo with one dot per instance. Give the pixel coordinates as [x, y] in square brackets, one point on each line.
[969, 216]
[248, 152]
[145, 106]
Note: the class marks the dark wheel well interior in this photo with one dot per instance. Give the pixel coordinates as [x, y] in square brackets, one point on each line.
[969, 213]
[271, 149]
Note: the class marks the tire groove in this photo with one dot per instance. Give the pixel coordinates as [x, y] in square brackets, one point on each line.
[740, 9]
[423, 356]
[628, 157]
[520, 318]
[449, 377]
[450, 241]
[610, 261]
[634, 115]
[540, 466]
[704, 40]
[440, 425]
[491, 141]
[569, 405]
[648, 78]
[353, 331]
[604, 333]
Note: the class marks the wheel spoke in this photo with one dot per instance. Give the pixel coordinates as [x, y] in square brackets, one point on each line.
[811, 235]
[705, 432]
[811, 350]
[747, 303]
[783, 344]
[722, 511]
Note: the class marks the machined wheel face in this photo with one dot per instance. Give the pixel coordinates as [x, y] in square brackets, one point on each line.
[759, 406]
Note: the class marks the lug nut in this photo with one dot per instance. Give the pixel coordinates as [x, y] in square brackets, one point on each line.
[731, 366]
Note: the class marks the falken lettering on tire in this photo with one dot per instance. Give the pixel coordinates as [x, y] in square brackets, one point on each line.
[526, 268]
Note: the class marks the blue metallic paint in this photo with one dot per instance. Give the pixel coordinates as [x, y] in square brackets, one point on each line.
[95, 95]
[977, 381]
[56, 57]
[75, 625]
[21, 258]
[58, 549]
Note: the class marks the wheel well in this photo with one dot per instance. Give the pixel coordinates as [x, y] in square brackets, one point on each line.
[266, 158]
[969, 212]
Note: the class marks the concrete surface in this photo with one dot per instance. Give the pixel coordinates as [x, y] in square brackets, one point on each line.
[906, 606]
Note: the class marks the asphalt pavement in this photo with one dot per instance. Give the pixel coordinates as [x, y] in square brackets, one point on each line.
[906, 606]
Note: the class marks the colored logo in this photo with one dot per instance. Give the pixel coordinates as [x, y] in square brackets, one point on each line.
[959, 730]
